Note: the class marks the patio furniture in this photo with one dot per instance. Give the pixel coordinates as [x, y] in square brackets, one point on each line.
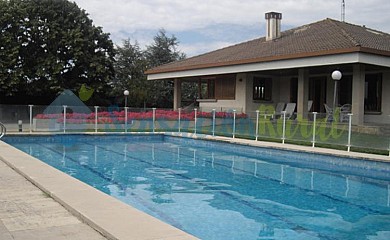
[290, 108]
[344, 110]
[343, 114]
[329, 113]
[279, 108]
[309, 105]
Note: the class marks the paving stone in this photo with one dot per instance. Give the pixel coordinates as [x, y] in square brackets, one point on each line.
[4, 233]
[69, 232]
[28, 213]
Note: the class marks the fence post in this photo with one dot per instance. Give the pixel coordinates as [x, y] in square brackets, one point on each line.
[179, 118]
[349, 131]
[234, 123]
[196, 110]
[65, 117]
[31, 114]
[314, 129]
[96, 118]
[126, 119]
[284, 127]
[213, 122]
[154, 119]
[257, 124]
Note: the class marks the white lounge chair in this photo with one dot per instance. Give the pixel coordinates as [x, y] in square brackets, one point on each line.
[278, 110]
[290, 108]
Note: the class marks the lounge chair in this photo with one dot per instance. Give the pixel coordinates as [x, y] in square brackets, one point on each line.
[278, 110]
[290, 108]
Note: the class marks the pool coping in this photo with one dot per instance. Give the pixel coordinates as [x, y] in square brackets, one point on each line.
[109, 216]
[241, 141]
[286, 146]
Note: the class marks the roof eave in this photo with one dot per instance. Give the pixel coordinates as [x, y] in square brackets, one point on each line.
[272, 58]
[253, 60]
[314, 61]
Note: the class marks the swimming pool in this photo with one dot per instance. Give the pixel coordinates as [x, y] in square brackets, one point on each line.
[223, 191]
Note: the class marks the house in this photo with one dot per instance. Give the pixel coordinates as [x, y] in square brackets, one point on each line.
[293, 66]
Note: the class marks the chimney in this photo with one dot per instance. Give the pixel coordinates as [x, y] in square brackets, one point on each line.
[273, 20]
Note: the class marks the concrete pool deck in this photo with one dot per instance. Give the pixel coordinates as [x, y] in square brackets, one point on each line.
[28, 213]
[109, 216]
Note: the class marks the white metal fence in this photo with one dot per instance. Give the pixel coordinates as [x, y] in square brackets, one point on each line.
[314, 129]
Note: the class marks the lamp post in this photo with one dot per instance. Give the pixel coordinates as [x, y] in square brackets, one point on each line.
[126, 93]
[336, 76]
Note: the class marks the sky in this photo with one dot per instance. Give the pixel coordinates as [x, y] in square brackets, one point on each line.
[205, 25]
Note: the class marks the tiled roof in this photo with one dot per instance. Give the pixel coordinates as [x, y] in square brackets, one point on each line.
[320, 38]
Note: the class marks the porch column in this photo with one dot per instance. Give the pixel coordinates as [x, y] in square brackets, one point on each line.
[358, 85]
[177, 94]
[303, 92]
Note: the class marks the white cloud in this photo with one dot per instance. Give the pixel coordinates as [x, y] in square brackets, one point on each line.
[202, 47]
[134, 18]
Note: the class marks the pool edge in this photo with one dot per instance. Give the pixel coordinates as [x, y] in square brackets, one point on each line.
[287, 147]
[245, 142]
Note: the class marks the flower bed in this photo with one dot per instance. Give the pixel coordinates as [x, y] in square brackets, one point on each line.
[119, 117]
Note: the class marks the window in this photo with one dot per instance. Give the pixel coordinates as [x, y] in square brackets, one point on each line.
[225, 87]
[373, 93]
[219, 87]
[207, 88]
[262, 89]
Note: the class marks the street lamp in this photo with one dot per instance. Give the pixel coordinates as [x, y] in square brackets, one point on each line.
[126, 93]
[336, 76]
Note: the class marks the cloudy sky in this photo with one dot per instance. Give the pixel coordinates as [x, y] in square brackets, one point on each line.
[205, 25]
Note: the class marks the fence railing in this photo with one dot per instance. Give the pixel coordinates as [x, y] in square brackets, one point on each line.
[314, 129]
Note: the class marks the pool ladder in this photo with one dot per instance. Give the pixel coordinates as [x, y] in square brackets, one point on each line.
[3, 130]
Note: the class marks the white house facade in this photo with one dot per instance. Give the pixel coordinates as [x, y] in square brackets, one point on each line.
[293, 66]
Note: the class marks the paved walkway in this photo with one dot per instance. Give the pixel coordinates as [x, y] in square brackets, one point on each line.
[28, 213]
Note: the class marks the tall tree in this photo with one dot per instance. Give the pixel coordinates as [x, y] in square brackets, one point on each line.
[163, 50]
[50, 45]
[129, 66]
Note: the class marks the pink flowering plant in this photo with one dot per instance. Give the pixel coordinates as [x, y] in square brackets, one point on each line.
[119, 116]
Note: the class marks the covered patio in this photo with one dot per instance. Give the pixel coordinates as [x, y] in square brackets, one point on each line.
[361, 86]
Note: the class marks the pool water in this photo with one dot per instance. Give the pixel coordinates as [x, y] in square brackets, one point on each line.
[220, 191]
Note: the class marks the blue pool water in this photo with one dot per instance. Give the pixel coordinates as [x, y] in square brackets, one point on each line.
[223, 191]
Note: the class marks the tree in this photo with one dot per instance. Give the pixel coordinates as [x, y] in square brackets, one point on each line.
[130, 66]
[50, 45]
[163, 50]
